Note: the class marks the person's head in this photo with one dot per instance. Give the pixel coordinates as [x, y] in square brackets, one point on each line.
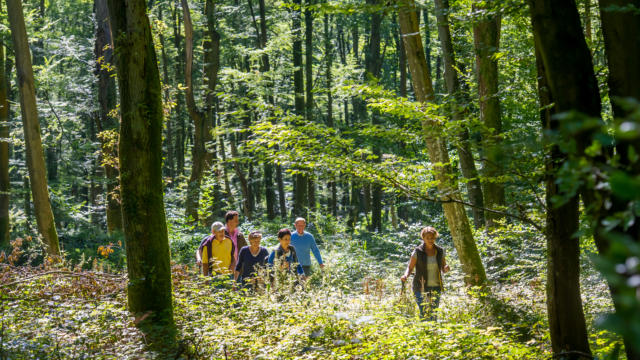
[232, 219]
[300, 224]
[429, 235]
[284, 237]
[217, 229]
[254, 238]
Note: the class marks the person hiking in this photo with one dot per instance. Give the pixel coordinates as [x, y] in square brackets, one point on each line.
[215, 253]
[305, 243]
[250, 259]
[429, 262]
[232, 220]
[284, 255]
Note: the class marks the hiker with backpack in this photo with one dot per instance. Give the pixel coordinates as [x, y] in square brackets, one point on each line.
[429, 262]
[216, 252]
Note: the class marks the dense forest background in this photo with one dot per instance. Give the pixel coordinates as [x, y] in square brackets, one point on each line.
[128, 127]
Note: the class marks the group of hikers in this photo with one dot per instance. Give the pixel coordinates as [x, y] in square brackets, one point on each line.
[225, 252]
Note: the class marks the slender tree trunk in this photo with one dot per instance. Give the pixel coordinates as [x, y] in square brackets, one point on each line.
[140, 152]
[587, 20]
[170, 166]
[566, 79]
[181, 126]
[436, 147]
[427, 37]
[333, 200]
[300, 181]
[373, 63]
[33, 143]
[486, 36]
[459, 112]
[5, 221]
[309, 103]
[107, 100]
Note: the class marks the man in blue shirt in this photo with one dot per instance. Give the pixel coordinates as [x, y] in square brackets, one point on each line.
[305, 243]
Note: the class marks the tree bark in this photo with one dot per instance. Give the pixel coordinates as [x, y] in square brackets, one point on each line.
[459, 112]
[140, 152]
[436, 147]
[486, 37]
[566, 79]
[108, 102]
[5, 185]
[33, 143]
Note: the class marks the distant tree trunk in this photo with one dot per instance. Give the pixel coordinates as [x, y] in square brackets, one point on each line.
[373, 64]
[620, 30]
[108, 102]
[170, 166]
[402, 89]
[328, 50]
[300, 181]
[486, 37]
[33, 143]
[140, 152]
[247, 200]
[309, 104]
[427, 38]
[5, 185]
[467, 163]
[436, 147]
[566, 79]
[587, 20]
[202, 118]
[179, 71]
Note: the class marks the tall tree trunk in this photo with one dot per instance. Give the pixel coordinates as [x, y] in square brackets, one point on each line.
[201, 158]
[170, 166]
[181, 126]
[486, 37]
[309, 104]
[33, 143]
[402, 89]
[300, 181]
[5, 221]
[436, 147]
[459, 112]
[107, 100]
[587, 20]
[622, 46]
[328, 50]
[373, 63]
[566, 79]
[140, 152]
[427, 37]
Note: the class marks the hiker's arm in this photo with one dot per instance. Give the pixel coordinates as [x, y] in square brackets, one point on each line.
[445, 266]
[198, 257]
[410, 266]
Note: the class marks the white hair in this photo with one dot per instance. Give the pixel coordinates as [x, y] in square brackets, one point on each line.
[299, 219]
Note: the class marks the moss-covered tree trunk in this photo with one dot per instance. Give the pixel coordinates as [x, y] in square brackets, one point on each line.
[566, 79]
[465, 154]
[33, 142]
[107, 125]
[140, 152]
[437, 150]
[486, 36]
[5, 224]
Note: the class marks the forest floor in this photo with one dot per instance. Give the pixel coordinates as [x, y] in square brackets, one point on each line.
[353, 309]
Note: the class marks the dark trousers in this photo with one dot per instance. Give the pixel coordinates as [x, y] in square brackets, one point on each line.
[307, 270]
[428, 301]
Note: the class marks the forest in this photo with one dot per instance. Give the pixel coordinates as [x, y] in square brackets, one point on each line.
[259, 179]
